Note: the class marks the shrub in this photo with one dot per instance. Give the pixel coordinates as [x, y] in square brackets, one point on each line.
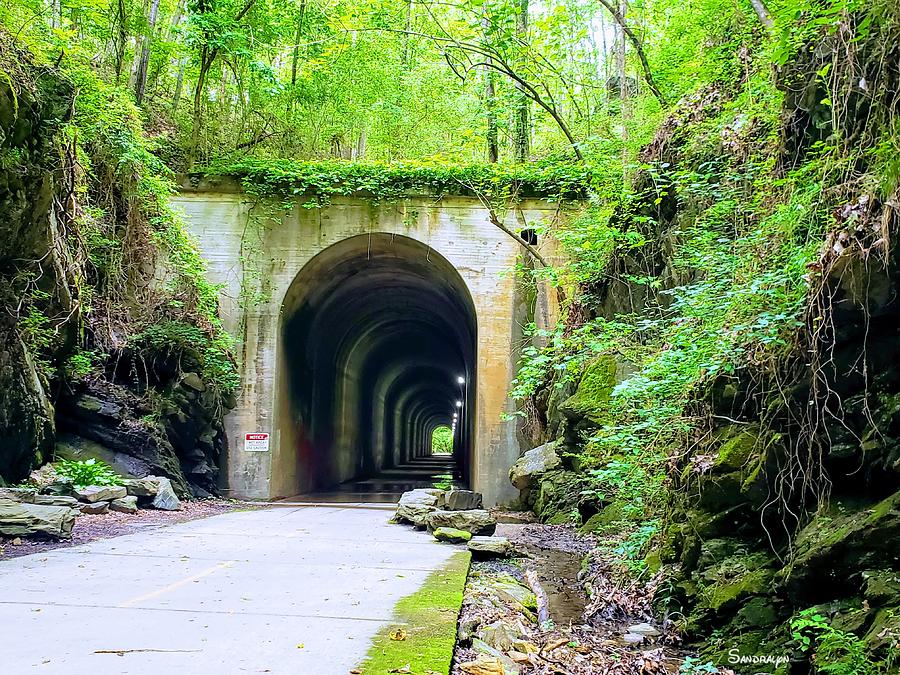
[87, 472]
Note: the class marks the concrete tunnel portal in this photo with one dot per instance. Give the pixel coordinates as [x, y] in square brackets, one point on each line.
[378, 340]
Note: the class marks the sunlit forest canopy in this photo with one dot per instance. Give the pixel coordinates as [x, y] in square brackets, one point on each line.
[390, 80]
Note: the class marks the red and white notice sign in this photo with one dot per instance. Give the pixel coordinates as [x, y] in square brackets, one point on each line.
[256, 442]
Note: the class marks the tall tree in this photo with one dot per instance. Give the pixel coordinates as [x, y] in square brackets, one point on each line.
[522, 123]
[140, 82]
[210, 46]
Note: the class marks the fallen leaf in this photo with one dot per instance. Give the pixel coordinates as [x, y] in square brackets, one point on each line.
[398, 635]
[404, 669]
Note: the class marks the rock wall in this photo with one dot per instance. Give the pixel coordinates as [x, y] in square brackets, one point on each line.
[788, 502]
[140, 404]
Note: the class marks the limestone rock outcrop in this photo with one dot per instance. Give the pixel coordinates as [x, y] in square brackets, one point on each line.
[475, 521]
[523, 474]
[18, 519]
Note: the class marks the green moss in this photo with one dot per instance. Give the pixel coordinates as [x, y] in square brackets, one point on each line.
[560, 518]
[428, 620]
[736, 451]
[736, 578]
[882, 586]
[591, 398]
[884, 633]
[653, 562]
[451, 534]
[617, 512]
[757, 613]
[722, 595]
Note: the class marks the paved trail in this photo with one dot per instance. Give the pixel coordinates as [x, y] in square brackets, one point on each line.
[299, 591]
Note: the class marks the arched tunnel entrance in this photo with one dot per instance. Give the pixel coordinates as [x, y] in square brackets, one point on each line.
[378, 344]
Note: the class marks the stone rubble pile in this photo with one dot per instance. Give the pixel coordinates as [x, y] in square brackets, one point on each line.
[453, 516]
[51, 510]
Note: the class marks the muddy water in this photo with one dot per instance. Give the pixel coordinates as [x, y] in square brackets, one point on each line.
[557, 572]
[556, 563]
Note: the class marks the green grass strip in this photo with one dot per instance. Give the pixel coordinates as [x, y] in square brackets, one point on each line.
[427, 619]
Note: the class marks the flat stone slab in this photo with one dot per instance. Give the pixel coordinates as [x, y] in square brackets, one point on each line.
[100, 493]
[490, 546]
[124, 505]
[283, 590]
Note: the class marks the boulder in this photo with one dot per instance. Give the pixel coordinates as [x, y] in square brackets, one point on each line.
[166, 499]
[840, 542]
[463, 500]
[61, 488]
[451, 535]
[94, 509]
[499, 635]
[483, 665]
[512, 592]
[490, 547]
[22, 495]
[507, 665]
[591, 399]
[124, 504]
[475, 521]
[142, 487]
[533, 463]
[415, 505]
[18, 519]
[44, 476]
[100, 493]
[644, 629]
[54, 500]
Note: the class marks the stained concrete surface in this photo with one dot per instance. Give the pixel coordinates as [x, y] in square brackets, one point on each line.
[386, 487]
[282, 590]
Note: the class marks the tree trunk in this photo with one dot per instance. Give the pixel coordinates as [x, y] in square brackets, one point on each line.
[141, 79]
[623, 85]
[636, 43]
[407, 52]
[359, 150]
[522, 124]
[121, 38]
[762, 11]
[196, 118]
[295, 59]
[490, 102]
[179, 84]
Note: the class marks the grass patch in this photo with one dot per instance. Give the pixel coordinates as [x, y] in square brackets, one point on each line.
[426, 620]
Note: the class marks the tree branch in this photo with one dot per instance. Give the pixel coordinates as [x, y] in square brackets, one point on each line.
[636, 43]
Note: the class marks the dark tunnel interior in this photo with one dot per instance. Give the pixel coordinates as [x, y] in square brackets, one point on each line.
[379, 338]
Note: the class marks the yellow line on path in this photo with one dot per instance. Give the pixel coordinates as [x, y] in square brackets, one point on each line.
[177, 584]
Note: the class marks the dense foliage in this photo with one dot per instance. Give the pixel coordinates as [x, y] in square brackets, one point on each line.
[715, 145]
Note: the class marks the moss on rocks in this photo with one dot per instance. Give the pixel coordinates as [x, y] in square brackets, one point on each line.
[842, 541]
[738, 446]
[557, 496]
[734, 579]
[591, 400]
[616, 512]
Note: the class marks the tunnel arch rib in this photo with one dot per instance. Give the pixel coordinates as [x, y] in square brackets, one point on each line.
[376, 331]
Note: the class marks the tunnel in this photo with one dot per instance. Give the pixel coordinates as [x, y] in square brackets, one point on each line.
[378, 342]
